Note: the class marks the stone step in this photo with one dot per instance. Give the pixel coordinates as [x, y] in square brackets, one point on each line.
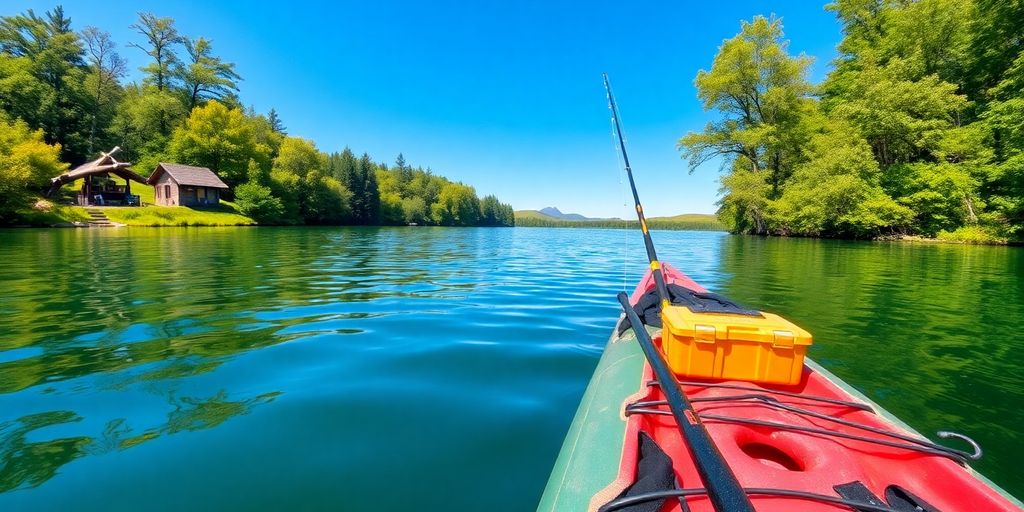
[97, 219]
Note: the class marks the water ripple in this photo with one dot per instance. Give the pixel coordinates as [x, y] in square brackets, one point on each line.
[138, 366]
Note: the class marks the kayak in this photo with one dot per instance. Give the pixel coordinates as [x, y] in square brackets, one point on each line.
[814, 445]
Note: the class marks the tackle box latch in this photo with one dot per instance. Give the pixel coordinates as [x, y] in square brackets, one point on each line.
[704, 333]
[782, 339]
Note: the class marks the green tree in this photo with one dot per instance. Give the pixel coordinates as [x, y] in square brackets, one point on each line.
[762, 94]
[995, 45]
[300, 157]
[391, 213]
[142, 115]
[495, 213]
[457, 205]
[161, 38]
[901, 117]
[415, 211]
[222, 139]
[54, 54]
[837, 191]
[276, 125]
[325, 200]
[300, 177]
[744, 206]
[106, 67]
[27, 163]
[916, 79]
[286, 186]
[403, 173]
[21, 92]
[258, 202]
[369, 212]
[206, 76]
[1004, 120]
[342, 166]
[265, 134]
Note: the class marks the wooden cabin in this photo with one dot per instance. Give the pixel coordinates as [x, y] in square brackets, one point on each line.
[97, 186]
[185, 185]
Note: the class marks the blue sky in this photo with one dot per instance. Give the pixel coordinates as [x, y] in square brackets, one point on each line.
[505, 96]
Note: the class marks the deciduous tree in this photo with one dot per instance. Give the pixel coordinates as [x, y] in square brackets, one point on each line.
[222, 139]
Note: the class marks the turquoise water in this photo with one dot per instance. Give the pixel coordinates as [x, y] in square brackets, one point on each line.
[426, 368]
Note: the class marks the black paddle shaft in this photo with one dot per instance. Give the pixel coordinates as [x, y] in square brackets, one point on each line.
[723, 489]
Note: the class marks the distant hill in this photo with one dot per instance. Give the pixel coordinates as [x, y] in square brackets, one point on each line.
[555, 213]
[534, 214]
[686, 221]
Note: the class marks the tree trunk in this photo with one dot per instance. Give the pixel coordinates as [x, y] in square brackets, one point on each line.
[971, 216]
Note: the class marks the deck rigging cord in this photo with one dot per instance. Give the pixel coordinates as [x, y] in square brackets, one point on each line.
[624, 502]
[811, 398]
[909, 443]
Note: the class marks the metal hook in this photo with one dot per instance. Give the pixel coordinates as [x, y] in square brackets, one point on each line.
[956, 435]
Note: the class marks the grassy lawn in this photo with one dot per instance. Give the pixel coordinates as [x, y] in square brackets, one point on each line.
[224, 215]
[48, 213]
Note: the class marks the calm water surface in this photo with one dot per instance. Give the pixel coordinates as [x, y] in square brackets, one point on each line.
[434, 369]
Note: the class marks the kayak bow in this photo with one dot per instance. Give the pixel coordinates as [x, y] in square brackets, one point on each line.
[756, 426]
[819, 437]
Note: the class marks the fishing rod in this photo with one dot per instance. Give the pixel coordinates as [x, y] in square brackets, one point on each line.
[652, 255]
[723, 488]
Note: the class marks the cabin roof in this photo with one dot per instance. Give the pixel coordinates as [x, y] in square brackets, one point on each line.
[188, 175]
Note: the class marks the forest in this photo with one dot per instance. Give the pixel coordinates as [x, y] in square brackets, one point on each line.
[64, 98]
[918, 128]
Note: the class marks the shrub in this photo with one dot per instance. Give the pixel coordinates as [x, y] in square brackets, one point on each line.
[972, 235]
[256, 201]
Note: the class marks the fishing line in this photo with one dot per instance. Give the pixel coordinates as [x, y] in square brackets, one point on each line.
[620, 173]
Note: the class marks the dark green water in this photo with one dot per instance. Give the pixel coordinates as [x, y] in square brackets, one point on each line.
[427, 369]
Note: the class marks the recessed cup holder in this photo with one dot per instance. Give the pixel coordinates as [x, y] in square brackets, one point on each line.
[771, 456]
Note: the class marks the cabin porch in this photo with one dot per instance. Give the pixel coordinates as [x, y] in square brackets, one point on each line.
[102, 190]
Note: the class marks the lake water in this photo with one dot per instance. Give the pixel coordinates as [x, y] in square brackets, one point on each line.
[428, 368]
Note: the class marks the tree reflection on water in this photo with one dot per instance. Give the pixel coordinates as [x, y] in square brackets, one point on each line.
[26, 464]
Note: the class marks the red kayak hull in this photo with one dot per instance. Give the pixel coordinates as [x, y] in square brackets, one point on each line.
[769, 457]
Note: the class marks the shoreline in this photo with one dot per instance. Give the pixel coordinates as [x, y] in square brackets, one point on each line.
[50, 215]
[910, 239]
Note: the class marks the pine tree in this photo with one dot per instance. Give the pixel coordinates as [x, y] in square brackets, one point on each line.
[368, 172]
[206, 76]
[53, 56]
[276, 125]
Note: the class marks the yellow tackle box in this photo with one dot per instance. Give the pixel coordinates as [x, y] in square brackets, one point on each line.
[767, 349]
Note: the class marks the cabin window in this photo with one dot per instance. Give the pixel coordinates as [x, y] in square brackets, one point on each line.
[158, 192]
[167, 191]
